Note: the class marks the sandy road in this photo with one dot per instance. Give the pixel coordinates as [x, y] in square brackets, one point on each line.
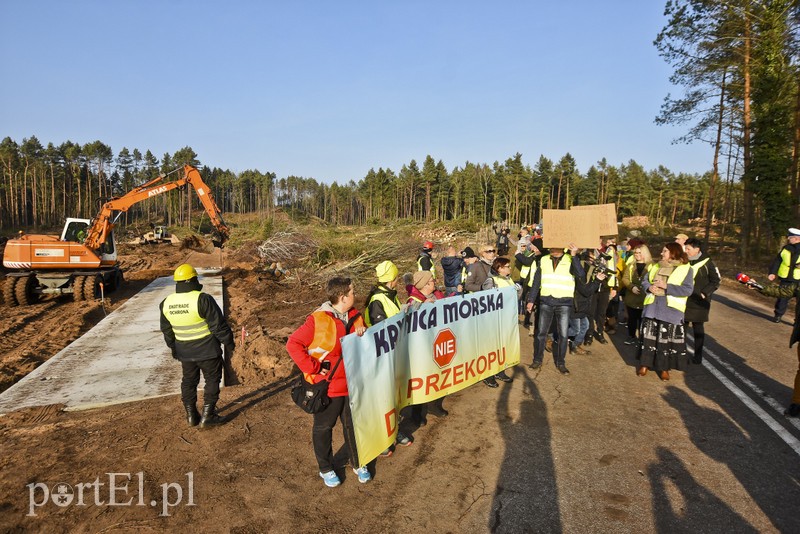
[601, 450]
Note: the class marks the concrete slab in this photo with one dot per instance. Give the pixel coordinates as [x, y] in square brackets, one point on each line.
[122, 359]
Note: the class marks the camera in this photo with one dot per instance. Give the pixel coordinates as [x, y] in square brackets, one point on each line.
[599, 262]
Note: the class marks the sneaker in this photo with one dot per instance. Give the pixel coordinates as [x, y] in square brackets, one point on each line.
[491, 382]
[503, 377]
[601, 339]
[403, 440]
[777, 319]
[793, 410]
[563, 369]
[536, 365]
[331, 479]
[363, 474]
[631, 341]
[388, 452]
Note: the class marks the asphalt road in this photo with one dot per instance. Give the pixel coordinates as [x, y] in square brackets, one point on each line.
[604, 450]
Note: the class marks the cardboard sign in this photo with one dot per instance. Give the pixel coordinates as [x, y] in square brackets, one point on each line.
[562, 227]
[607, 215]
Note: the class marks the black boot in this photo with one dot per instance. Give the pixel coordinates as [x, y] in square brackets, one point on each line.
[436, 408]
[210, 416]
[192, 415]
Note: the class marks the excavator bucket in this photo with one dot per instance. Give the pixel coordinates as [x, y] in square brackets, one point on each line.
[197, 244]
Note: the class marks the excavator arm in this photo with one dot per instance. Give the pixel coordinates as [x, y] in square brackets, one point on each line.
[103, 222]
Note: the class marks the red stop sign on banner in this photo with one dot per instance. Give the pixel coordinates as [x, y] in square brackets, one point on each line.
[444, 348]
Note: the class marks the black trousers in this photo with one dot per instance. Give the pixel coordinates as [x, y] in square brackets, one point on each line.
[634, 321]
[597, 317]
[699, 331]
[322, 433]
[212, 374]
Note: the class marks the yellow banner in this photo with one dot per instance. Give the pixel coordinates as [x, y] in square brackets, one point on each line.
[423, 353]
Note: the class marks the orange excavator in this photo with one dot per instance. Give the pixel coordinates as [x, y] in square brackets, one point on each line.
[84, 258]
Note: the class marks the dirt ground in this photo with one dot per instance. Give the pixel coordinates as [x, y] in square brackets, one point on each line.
[492, 465]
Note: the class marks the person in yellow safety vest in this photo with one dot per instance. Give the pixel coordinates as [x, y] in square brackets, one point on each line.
[528, 261]
[607, 291]
[382, 301]
[500, 276]
[425, 259]
[469, 259]
[786, 268]
[706, 282]
[554, 285]
[195, 329]
[667, 287]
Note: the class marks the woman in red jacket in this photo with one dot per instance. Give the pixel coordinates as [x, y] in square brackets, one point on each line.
[317, 351]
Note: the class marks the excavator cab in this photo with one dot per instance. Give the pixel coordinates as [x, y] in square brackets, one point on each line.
[75, 230]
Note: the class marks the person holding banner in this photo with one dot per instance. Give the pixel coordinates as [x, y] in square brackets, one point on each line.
[478, 272]
[317, 350]
[382, 301]
[422, 290]
[554, 284]
[452, 265]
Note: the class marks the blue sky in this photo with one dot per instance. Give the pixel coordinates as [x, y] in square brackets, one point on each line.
[331, 89]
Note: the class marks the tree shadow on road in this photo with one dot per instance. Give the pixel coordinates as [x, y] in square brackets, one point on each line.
[742, 307]
[526, 496]
[695, 509]
[737, 439]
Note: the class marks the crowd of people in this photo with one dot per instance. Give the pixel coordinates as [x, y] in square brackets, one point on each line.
[568, 299]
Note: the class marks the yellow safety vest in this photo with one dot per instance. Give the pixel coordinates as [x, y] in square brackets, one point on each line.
[557, 283]
[391, 307]
[675, 278]
[527, 272]
[180, 309]
[783, 270]
[611, 281]
[500, 281]
[433, 268]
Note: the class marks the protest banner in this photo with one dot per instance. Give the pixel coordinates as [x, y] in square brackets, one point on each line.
[562, 227]
[607, 217]
[423, 353]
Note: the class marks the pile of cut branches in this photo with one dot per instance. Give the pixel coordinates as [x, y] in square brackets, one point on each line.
[285, 246]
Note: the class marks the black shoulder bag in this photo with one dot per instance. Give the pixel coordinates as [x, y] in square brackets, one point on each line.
[313, 398]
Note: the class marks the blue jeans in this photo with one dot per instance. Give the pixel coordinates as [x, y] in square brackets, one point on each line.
[578, 326]
[546, 315]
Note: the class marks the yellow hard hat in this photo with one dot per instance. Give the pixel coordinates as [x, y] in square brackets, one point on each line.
[184, 272]
[386, 271]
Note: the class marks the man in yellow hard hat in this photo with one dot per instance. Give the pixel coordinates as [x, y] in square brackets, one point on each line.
[194, 329]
